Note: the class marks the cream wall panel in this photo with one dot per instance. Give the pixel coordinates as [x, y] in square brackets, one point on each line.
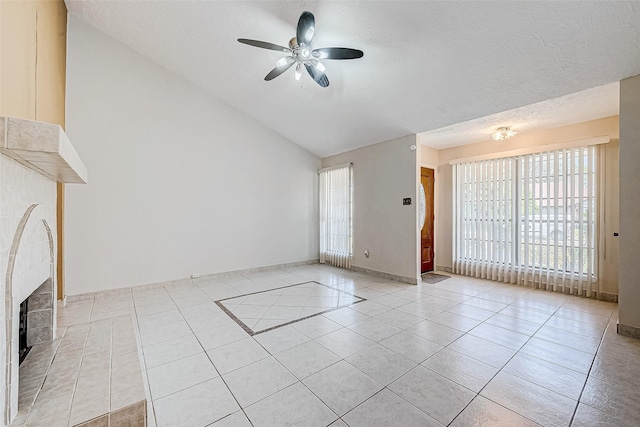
[609, 244]
[630, 204]
[32, 68]
[32, 59]
[50, 67]
[18, 59]
[428, 156]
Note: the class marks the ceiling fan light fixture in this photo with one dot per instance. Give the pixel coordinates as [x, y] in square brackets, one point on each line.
[502, 133]
[302, 53]
[309, 34]
[283, 61]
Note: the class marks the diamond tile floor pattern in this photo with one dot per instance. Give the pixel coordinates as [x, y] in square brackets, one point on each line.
[461, 352]
[266, 310]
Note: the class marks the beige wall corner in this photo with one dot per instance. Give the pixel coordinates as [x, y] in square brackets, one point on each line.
[33, 40]
[32, 60]
[429, 156]
[629, 268]
[51, 61]
[18, 59]
[384, 174]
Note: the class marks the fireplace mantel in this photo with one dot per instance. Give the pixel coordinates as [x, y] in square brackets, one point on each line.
[42, 147]
[33, 157]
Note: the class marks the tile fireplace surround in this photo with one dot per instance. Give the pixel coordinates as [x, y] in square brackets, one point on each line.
[33, 157]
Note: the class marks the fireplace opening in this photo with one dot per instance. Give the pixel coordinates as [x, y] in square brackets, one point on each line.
[23, 349]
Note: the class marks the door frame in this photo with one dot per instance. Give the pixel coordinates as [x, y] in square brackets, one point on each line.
[435, 216]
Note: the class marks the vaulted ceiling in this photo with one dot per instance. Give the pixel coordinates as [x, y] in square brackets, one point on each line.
[427, 65]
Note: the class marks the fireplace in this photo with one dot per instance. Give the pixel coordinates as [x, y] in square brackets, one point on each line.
[33, 157]
[23, 348]
[35, 324]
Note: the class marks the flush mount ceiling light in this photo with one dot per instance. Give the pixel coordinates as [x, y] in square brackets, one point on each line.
[503, 133]
[301, 52]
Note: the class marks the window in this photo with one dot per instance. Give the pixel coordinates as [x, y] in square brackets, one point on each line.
[530, 219]
[336, 216]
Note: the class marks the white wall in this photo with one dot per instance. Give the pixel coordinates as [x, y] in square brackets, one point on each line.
[608, 277]
[384, 174]
[630, 205]
[179, 183]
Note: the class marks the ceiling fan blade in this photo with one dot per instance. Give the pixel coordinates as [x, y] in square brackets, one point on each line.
[337, 53]
[281, 66]
[319, 76]
[306, 28]
[265, 45]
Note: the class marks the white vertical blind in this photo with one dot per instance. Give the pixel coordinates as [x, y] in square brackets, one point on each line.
[484, 219]
[336, 219]
[530, 219]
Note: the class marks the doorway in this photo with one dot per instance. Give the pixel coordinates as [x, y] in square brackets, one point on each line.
[427, 179]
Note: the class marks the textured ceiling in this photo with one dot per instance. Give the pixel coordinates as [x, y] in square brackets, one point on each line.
[427, 65]
[590, 104]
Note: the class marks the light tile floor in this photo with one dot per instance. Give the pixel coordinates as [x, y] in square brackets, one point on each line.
[89, 370]
[460, 352]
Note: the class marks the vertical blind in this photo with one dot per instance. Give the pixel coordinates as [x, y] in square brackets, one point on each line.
[530, 219]
[336, 219]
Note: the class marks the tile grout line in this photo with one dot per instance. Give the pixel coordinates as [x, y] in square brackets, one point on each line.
[146, 374]
[496, 374]
[383, 388]
[75, 386]
[292, 374]
[298, 380]
[84, 347]
[443, 347]
[43, 381]
[518, 351]
[250, 331]
[212, 364]
[575, 410]
[196, 336]
[408, 302]
[341, 359]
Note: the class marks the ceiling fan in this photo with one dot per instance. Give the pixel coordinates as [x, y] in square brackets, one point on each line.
[301, 52]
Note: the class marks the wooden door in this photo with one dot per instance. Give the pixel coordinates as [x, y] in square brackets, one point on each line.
[426, 234]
